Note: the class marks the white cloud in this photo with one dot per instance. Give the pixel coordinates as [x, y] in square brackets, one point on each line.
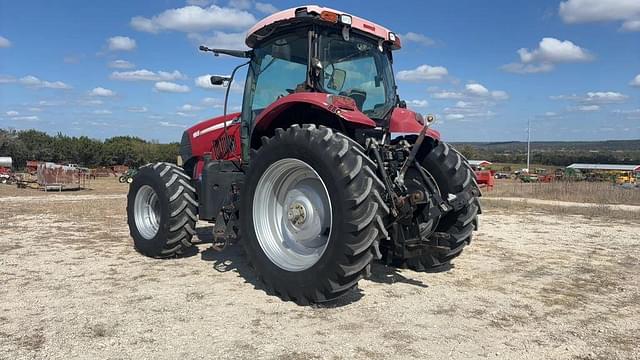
[190, 108]
[92, 102]
[447, 95]
[423, 73]
[550, 51]
[200, 3]
[604, 97]
[519, 68]
[134, 109]
[195, 19]
[146, 75]
[100, 91]
[550, 113]
[166, 86]
[592, 100]
[50, 103]
[417, 38]
[12, 113]
[418, 103]
[240, 4]
[499, 95]
[454, 116]
[35, 82]
[221, 40]
[214, 102]
[6, 79]
[102, 112]
[121, 43]
[266, 8]
[184, 114]
[26, 118]
[582, 11]
[168, 124]
[477, 89]
[588, 108]
[635, 81]
[120, 64]
[4, 42]
[633, 114]
[630, 25]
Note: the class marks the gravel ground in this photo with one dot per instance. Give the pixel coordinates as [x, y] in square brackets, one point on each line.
[531, 286]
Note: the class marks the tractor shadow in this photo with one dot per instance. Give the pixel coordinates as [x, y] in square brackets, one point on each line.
[386, 274]
[232, 258]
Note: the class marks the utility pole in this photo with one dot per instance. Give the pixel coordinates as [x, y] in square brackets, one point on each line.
[529, 145]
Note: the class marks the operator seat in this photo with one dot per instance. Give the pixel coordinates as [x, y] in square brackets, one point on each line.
[358, 96]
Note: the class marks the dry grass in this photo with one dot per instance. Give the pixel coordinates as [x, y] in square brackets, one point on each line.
[582, 192]
[98, 186]
[591, 212]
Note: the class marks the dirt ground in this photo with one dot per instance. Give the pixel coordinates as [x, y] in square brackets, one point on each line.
[532, 285]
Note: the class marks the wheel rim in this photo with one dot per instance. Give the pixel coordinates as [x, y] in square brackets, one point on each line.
[147, 212]
[292, 214]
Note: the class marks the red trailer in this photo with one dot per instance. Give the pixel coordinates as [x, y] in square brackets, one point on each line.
[60, 177]
[485, 178]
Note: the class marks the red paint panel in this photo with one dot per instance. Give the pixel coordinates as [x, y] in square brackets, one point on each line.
[312, 98]
[405, 121]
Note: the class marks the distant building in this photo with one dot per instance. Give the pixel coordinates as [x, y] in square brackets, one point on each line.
[605, 167]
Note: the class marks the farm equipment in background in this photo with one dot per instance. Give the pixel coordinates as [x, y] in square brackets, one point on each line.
[626, 178]
[6, 172]
[529, 178]
[52, 176]
[324, 170]
[570, 174]
[485, 178]
[128, 176]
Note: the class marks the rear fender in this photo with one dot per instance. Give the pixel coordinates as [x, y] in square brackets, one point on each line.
[332, 106]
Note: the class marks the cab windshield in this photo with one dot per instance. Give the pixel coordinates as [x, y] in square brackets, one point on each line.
[357, 68]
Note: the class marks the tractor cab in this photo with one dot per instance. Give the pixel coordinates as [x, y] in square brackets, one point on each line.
[317, 62]
[314, 49]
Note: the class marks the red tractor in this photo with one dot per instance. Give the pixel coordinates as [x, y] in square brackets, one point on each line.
[322, 172]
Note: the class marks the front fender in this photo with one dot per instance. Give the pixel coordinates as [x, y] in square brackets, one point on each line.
[340, 106]
[404, 122]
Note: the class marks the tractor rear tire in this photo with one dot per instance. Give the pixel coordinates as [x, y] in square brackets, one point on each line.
[453, 175]
[121, 179]
[317, 177]
[161, 210]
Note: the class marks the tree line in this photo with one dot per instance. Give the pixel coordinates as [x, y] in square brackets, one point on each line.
[553, 156]
[23, 145]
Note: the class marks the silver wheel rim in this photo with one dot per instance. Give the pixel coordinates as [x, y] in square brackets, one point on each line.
[292, 215]
[147, 212]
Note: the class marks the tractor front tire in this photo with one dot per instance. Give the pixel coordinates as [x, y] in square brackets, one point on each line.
[310, 214]
[121, 180]
[453, 175]
[161, 210]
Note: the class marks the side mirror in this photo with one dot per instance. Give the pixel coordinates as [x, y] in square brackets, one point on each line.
[337, 79]
[219, 80]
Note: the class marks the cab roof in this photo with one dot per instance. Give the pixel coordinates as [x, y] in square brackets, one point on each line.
[309, 12]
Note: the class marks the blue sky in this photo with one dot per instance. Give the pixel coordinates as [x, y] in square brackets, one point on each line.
[101, 69]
